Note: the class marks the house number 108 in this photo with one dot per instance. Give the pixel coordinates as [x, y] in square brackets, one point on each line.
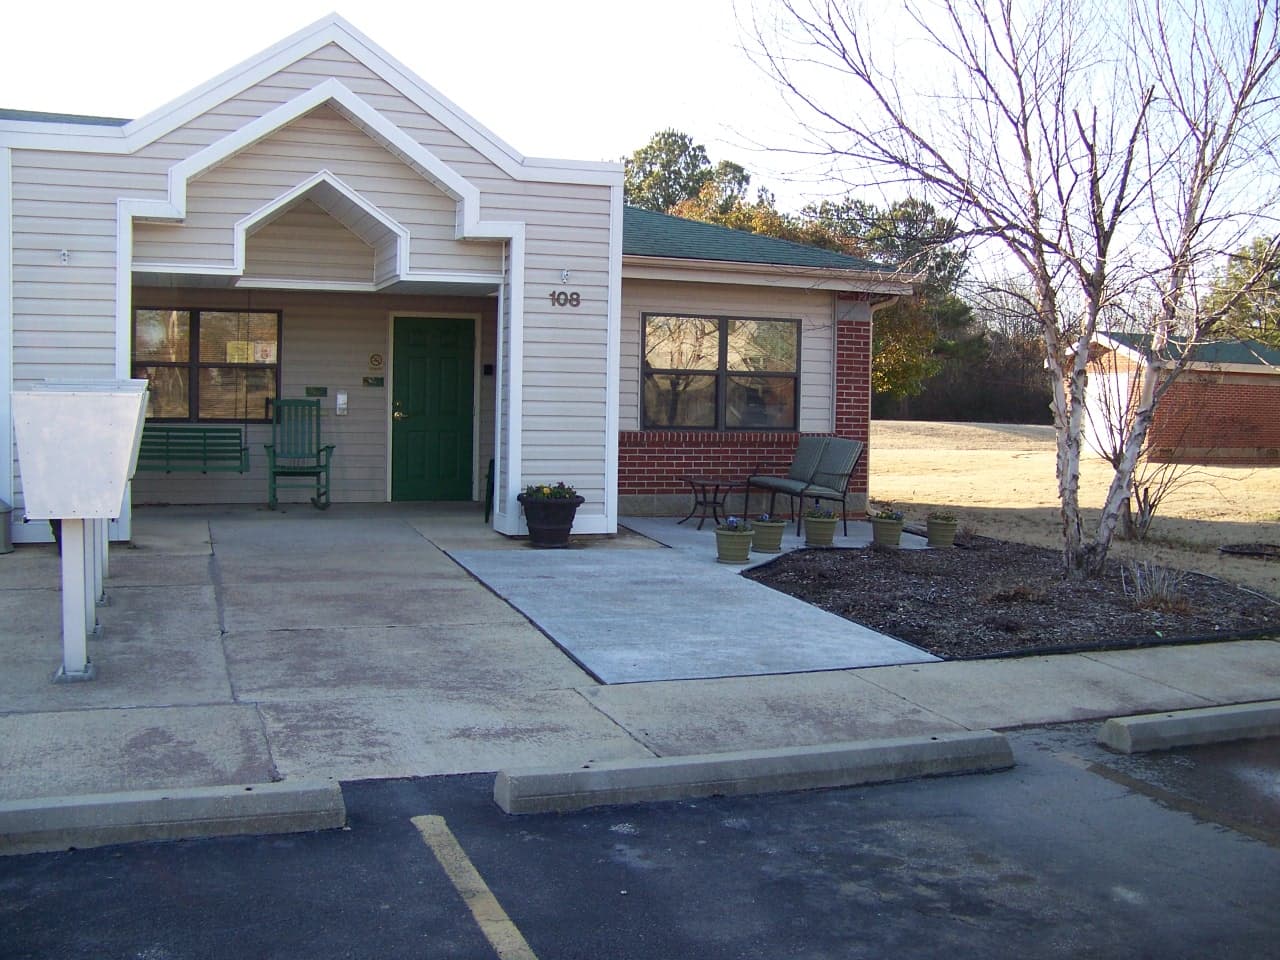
[561, 298]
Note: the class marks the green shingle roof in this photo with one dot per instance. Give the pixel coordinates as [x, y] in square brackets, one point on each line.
[649, 234]
[1246, 352]
[35, 116]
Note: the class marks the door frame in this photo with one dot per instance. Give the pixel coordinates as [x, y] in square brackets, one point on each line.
[389, 368]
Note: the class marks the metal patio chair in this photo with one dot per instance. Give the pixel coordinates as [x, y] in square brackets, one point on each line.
[831, 476]
[799, 474]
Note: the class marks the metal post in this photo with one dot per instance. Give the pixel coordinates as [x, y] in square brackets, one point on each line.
[104, 544]
[75, 600]
[89, 557]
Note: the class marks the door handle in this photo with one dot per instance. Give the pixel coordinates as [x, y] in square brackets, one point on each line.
[399, 415]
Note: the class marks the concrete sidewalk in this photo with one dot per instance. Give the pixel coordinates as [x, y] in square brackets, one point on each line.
[242, 646]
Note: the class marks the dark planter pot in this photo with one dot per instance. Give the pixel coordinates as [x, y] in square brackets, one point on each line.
[549, 520]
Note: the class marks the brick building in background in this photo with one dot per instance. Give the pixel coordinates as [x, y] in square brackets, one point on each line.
[1224, 408]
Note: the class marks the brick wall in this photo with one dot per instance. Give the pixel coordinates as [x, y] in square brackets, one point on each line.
[650, 462]
[1219, 418]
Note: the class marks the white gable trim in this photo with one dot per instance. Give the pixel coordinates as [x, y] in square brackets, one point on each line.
[245, 225]
[331, 29]
[467, 222]
[762, 274]
[328, 91]
[6, 326]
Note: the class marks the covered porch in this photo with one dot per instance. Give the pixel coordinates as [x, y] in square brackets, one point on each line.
[405, 381]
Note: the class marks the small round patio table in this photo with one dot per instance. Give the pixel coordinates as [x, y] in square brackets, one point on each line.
[711, 493]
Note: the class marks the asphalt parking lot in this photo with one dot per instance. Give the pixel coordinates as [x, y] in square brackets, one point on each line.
[1075, 852]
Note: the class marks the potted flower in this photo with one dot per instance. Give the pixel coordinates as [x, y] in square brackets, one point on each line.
[733, 540]
[819, 527]
[767, 534]
[549, 510]
[942, 529]
[886, 527]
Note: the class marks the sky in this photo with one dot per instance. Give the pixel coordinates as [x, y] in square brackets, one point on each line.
[573, 79]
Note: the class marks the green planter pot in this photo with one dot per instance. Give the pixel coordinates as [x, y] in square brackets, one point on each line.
[820, 531]
[768, 536]
[733, 546]
[886, 533]
[942, 533]
[550, 521]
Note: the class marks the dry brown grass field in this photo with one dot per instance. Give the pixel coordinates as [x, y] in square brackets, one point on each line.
[999, 479]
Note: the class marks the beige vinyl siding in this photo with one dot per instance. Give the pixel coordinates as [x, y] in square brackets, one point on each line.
[327, 340]
[565, 348]
[815, 310]
[63, 320]
[64, 317]
[329, 61]
[321, 140]
[305, 243]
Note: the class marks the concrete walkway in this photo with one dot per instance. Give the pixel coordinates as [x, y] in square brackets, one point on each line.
[677, 613]
[243, 646]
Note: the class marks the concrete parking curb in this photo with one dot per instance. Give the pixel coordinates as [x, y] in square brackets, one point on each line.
[547, 789]
[1185, 728]
[95, 820]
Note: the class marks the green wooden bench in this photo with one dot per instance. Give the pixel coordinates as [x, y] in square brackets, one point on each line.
[192, 448]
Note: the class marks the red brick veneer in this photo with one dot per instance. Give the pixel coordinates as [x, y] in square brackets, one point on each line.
[1203, 420]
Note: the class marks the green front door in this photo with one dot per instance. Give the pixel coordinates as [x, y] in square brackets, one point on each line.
[431, 405]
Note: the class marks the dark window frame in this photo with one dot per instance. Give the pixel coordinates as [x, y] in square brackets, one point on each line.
[194, 364]
[721, 373]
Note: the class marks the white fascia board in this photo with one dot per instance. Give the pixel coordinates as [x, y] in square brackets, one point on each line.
[613, 360]
[445, 276]
[759, 274]
[283, 283]
[230, 83]
[6, 325]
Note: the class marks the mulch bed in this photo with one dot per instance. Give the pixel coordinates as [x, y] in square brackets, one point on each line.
[992, 598]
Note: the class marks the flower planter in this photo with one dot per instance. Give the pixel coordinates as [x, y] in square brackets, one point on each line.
[885, 532]
[820, 531]
[733, 546]
[942, 533]
[768, 536]
[549, 520]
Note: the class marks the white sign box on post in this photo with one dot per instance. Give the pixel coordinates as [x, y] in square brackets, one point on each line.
[78, 448]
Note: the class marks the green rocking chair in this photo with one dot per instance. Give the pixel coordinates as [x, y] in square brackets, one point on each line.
[296, 451]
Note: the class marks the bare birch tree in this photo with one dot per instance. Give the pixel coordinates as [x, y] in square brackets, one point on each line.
[1114, 152]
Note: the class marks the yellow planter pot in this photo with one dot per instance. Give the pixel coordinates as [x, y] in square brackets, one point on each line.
[768, 536]
[733, 546]
[820, 531]
[886, 533]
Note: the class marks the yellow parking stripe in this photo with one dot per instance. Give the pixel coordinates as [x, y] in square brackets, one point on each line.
[490, 917]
